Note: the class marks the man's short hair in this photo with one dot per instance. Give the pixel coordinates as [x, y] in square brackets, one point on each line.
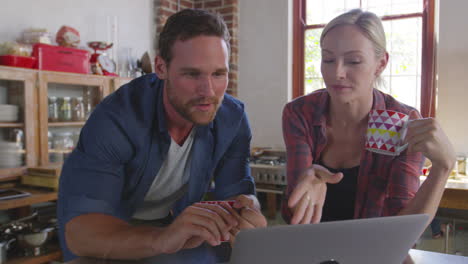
[187, 24]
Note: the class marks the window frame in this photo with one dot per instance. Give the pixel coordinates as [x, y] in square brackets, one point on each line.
[428, 89]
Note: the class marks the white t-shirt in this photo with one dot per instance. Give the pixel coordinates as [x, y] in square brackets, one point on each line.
[170, 183]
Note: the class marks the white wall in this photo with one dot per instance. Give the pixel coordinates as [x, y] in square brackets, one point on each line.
[89, 17]
[264, 66]
[452, 110]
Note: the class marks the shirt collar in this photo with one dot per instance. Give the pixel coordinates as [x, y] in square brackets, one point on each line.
[321, 113]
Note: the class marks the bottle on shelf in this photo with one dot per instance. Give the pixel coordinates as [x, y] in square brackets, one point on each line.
[88, 101]
[78, 113]
[53, 109]
[65, 113]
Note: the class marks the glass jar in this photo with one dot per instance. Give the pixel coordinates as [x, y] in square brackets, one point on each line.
[461, 164]
[17, 135]
[87, 101]
[65, 113]
[50, 140]
[63, 141]
[78, 113]
[53, 109]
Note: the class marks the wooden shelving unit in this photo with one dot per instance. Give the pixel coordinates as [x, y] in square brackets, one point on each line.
[19, 86]
[10, 174]
[37, 196]
[29, 89]
[66, 124]
[12, 125]
[55, 255]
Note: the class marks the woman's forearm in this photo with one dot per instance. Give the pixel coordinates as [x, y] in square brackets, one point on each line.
[427, 199]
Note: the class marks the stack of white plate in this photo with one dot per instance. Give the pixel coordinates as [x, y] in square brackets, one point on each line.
[11, 155]
[8, 113]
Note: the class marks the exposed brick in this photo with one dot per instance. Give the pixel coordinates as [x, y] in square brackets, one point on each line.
[186, 4]
[227, 17]
[165, 12]
[198, 5]
[233, 67]
[164, 4]
[230, 2]
[216, 3]
[233, 75]
[228, 10]
[234, 50]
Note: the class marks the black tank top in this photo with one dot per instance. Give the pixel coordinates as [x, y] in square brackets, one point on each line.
[340, 197]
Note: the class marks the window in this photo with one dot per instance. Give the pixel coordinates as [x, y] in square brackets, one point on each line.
[409, 28]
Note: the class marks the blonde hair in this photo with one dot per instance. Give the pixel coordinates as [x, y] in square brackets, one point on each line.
[369, 24]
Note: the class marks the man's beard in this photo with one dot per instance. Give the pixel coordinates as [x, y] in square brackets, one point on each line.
[184, 109]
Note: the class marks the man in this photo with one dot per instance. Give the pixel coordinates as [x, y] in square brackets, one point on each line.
[149, 152]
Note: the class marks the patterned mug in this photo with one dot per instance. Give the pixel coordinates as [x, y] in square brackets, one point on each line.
[386, 131]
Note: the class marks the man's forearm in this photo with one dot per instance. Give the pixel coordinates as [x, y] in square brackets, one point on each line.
[103, 236]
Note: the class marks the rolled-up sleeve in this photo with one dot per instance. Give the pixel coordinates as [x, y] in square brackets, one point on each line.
[92, 178]
[299, 152]
[404, 179]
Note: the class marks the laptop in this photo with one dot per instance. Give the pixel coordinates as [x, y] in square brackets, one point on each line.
[374, 240]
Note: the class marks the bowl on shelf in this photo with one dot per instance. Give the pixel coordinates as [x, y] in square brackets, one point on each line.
[11, 155]
[9, 113]
[32, 242]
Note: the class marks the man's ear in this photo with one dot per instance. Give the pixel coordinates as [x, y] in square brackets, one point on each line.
[383, 61]
[160, 67]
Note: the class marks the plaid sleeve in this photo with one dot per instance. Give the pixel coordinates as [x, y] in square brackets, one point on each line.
[404, 179]
[298, 149]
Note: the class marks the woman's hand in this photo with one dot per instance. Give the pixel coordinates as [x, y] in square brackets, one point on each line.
[426, 136]
[306, 201]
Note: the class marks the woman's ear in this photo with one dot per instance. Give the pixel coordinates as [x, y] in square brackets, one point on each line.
[383, 61]
[160, 67]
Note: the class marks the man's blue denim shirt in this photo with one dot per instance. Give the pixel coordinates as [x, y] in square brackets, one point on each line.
[125, 141]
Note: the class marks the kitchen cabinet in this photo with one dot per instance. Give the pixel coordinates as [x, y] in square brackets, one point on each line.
[18, 128]
[35, 137]
[59, 130]
[118, 82]
[20, 207]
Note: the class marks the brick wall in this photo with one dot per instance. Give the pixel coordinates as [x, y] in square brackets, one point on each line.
[227, 8]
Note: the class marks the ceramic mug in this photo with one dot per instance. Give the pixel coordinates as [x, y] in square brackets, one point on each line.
[386, 131]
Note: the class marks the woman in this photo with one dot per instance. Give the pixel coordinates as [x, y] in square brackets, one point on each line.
[331, 176]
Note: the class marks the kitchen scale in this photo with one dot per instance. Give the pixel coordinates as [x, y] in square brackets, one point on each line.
[101, 64]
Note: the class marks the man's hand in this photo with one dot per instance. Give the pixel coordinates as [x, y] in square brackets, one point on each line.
[307, 199]
[196, 224]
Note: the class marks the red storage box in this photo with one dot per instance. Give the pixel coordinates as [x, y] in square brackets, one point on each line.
[56, 58]
[17, 61]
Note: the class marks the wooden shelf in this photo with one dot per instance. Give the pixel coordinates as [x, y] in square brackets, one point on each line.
[60, 151]
[55, 255]
[9, 174]
[62, 124]
[37, 196]
[11, 124]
